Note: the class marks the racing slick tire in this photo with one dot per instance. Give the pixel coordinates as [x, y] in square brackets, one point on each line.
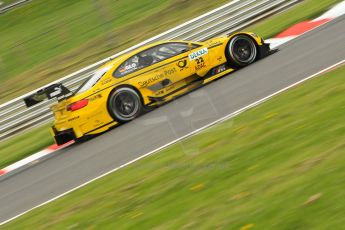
[125, 104]
[241, 51]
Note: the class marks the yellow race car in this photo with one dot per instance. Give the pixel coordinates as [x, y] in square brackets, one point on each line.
[123, 88]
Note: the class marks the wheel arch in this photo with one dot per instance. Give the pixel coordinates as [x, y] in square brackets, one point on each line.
[123, 86]
[256, 38]
[126, 86]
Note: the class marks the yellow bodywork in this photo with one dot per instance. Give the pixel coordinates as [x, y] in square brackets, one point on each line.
[183, 71]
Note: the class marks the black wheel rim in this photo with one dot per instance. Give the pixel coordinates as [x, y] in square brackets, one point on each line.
[125, 104]
[244, 50]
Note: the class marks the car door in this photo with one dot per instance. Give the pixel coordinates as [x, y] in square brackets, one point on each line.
[199, 59]
[176, 62]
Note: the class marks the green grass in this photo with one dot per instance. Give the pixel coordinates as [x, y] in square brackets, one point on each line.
[277, 166]
[23, 145]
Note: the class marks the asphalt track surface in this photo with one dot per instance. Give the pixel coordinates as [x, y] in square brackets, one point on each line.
[78, 164]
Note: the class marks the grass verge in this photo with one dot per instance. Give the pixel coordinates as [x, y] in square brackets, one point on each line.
[25, 144]
[277, 166]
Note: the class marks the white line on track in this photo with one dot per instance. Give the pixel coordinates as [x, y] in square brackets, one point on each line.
[231, 115]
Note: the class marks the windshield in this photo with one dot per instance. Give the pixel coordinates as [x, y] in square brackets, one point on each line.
[93, 79]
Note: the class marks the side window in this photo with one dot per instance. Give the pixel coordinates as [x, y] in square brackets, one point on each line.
[169, 50]
[194, 46]
[129, 66]
[150, 56]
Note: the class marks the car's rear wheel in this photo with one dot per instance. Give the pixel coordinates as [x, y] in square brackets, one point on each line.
[125, 104]
[241, 51]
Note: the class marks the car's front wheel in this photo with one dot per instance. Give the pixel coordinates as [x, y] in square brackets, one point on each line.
[241, 51]
[125, 104]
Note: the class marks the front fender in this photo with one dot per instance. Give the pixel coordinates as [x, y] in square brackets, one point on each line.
[259, 41]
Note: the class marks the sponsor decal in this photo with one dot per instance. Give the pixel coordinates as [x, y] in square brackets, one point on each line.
[95, 97]
[220, 58]
[218, 69]
[157, 77]
[57, 91]
[73, 118]
[182, 64]
[170, 71]
[197, 54]
[127, 68]
[200, 64]
[151, 80]
[105, 81]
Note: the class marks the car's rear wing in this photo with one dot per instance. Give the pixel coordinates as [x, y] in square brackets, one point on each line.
[57, 91]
